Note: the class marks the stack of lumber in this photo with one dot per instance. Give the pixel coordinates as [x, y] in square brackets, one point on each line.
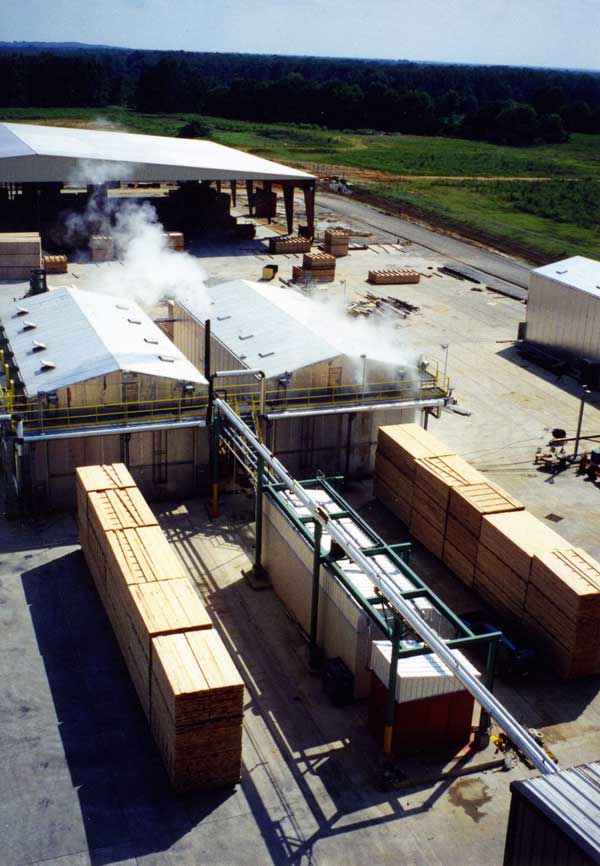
[336, 242]
[55, 264]
[520, 566]
[186, 682]
[398, 448]
[469, 504]
[562, 608]
[175, 241]
[319, 266]
[507, 545]
[20, 253]
[394, 277]
[197, 709]
[289, 244]
[101, 248]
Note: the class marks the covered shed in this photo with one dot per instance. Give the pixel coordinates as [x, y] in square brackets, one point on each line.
[37, 161]
[89, 378]
[563, 309]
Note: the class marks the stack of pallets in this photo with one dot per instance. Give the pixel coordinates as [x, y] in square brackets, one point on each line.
[55, 264]
[175, 241]
[187, 684]
[101, 248]
[515, 562]
[289, 244]
[320, 267]
[396, 276]
[336, 242]
[20, 253]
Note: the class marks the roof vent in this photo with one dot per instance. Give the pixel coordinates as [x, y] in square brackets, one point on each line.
[121, 306]
[245, 336]
[265, 354]
[22, 311]
[562, 272]
[223, 318]
[134, 321]
[47, 365]
[29, 326]
[170, 359]
[152, 340]
[38, 346]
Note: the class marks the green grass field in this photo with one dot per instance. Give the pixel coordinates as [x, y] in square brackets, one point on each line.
[550, 218]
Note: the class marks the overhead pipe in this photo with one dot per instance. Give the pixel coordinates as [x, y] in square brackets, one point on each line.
[113, 431]
[362, 407]
[518, 735]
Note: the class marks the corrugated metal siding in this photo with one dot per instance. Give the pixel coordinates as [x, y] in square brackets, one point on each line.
[563, 318]
[555, 819]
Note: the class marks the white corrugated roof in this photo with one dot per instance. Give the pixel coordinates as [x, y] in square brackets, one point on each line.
[248, 321]
[41, 154]
[84, 335]
[577, 272]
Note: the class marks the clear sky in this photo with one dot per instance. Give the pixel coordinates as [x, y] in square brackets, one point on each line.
[559, 33]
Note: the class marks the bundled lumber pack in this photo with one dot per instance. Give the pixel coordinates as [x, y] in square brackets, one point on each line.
[396, 276]
[101, 248]
[175, 241]
[20, 253]
[520, 566]
[289, 244]
[336, 242]
[55, 264]
[185, 679]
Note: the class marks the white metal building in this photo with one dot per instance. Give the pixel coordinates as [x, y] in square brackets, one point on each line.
[324, 404]
[95, 381]
[563, 308]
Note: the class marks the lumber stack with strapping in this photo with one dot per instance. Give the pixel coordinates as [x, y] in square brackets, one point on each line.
[101, 248]
[186, 682]
[289, 244]
[55, 264]
[20, 253]
[336, 242]
[396, 276]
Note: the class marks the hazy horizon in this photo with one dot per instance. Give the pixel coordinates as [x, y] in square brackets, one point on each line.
[541, 33]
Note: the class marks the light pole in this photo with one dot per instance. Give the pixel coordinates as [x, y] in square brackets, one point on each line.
[445, 347]
[586, 393]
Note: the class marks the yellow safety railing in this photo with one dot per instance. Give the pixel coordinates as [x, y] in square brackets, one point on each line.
[243, 397]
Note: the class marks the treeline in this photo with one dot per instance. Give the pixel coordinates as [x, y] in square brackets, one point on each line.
[501, 104]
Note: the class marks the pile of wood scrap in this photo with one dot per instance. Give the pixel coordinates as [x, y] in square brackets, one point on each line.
[369, 304]
[394, 276]
[185, 679]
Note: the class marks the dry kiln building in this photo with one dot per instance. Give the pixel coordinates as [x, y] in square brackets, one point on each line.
[323, 402]
[89, 378]
[563, 309]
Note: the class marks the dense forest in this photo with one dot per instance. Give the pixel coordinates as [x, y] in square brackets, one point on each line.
[506, 105]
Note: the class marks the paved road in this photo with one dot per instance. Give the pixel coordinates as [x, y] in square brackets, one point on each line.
[452, 248]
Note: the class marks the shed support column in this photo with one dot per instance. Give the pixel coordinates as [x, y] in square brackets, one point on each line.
[218, 186]
[313, 649]
[250, 193]
[309, 203]
[490, 669]
[388, 731]
[288, 200]
[234, 192]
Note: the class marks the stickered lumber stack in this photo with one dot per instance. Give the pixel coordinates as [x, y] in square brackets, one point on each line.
[20, 254]
[520, 566]
[396, 276]
[101, 248]
[336, 242]
[175, 241]
[55, 264]
[186, 682]
[289, 244]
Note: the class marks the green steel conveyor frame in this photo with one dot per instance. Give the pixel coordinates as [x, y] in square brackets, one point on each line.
[399, 555]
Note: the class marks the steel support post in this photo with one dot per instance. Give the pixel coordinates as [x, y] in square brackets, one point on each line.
[490, 670]
[260, 468]
[214, 468]
[313, 649]
[388, 731]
